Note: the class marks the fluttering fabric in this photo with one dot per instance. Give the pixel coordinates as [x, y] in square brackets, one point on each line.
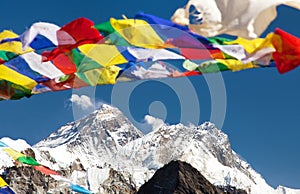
[4, 187]
[6, 190]
[2, 182]
[79, 189]
[50, 58]
[245, 18]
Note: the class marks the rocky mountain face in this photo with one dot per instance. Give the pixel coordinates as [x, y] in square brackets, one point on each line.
[118, 183]
[204, 147]
[175, 177]
[181, 177]
[27, 180]
[105, 153]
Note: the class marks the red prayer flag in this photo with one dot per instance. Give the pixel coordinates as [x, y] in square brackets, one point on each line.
[70, 81]
[196, 53]
[45, 170]
[63, 63]
[78, 32]
[287, 54]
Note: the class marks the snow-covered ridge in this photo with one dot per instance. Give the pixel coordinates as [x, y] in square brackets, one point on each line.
[18, 144]
[106, 139]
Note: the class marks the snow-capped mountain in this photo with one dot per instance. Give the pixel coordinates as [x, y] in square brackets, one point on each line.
[96, 148]
[18, 145]
[94, 140]
[204, 147]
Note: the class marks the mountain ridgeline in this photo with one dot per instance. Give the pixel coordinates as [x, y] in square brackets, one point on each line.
[105, 153]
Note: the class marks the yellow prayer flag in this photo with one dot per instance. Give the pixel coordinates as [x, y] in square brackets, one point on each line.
[101, 76]
[17, 78]
[14, 46]
[105, 55]
[2, 182]
[13, 153]
[236, 65]
[254, 45]
[137, 32]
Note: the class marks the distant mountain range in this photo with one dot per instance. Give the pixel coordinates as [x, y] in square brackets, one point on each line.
[105, 153]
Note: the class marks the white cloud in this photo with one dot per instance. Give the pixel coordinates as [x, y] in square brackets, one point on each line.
[83, 101]
[156, 123]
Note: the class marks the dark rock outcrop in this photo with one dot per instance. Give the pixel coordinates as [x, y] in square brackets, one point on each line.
[27, 180]
[117, 183]
[29, 152]
[181, 177]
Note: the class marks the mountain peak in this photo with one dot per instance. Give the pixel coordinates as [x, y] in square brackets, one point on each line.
[181, 177]
[105, 106]
[106, 112]
[107, 119]
[97, 136]
[207, 126]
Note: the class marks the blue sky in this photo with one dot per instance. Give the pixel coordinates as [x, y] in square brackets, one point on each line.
[263, 107]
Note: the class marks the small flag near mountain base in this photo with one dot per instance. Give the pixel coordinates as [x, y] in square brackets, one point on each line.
[79, 189]
[2, 182]
[6, 190]
[45, 170]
